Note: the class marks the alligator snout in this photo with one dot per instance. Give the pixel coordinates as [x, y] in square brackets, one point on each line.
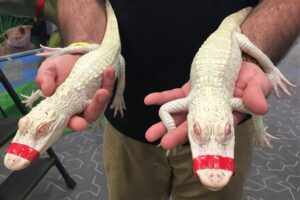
[214, 171]
[14, 162]
[18, 156]
[214, 179]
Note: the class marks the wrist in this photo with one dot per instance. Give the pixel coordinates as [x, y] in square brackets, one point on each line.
[79, 44]
[73, 24]
[248, 58]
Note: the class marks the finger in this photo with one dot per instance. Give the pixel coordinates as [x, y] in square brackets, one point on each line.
[262, 81]
[78, 123]
[175, 137]
[255, 100]
[109, 78]
[158, 130]
[155, 132]
[45, 80]
[97, 105]
[102, 96]
[53, 72]
[159, 98]
[240, 86]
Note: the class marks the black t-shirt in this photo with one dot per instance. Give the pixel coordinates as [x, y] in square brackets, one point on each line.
[159, 41]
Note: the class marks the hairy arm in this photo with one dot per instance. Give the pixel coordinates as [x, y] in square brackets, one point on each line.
[273, 25]
[81, 20]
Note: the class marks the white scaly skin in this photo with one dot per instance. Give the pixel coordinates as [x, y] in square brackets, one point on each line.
[210, 102]
[44, 125]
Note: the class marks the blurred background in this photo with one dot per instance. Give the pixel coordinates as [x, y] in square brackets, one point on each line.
[274, 174]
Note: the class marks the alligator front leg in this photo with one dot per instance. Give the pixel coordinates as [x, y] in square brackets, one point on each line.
[29, 100]
[175, 106]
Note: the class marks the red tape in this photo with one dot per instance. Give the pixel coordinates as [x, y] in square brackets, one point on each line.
[23, 151]
[39, 9]
[214, 162]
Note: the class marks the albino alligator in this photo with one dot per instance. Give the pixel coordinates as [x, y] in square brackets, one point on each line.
[210, 102]
[43, 126]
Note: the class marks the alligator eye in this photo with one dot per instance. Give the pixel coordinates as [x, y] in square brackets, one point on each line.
[197, 133]
[41, 130]
[227, 131]
[197, 129]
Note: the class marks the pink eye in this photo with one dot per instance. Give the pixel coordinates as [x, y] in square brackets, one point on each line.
[197, 129]
[197, 133]
[227, 130]
[42, 130]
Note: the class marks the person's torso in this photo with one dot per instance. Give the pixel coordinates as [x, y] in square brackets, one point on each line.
[159, 41]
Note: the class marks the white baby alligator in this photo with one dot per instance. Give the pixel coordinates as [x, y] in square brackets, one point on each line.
[210, 101]
[44, 124]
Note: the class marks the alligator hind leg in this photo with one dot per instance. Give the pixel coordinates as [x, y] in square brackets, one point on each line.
[262, 137]
[54, 52]
[273, 73]
[118, 103]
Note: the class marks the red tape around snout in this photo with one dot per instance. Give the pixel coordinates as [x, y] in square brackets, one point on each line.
[213, 162]
[23, 151]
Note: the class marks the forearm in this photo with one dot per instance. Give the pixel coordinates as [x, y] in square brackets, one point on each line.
[81, 20]
[273, 25]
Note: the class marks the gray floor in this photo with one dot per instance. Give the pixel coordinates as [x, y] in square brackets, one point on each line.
[275, 173]
[81, 154]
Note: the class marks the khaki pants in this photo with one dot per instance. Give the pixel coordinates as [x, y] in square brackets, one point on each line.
[138, 171]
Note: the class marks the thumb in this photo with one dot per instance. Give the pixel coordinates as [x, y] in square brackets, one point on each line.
[254, 99]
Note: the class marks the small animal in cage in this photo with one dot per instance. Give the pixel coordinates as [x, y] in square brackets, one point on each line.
[16, 39]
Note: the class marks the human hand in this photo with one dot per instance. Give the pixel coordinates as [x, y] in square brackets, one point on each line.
[53, 72]
[252, 86]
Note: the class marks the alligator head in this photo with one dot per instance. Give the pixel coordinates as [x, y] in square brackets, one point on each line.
[37, 131]
[211, 136]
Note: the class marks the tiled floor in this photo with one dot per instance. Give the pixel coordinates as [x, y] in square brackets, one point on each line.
[81, 155]
[275, 173]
